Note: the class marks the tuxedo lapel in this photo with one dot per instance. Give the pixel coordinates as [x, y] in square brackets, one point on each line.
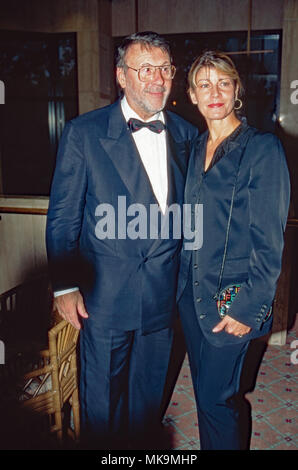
[175, 172]
[177, 163]
[121, 149]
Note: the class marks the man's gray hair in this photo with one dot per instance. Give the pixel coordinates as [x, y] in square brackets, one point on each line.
[147, 39]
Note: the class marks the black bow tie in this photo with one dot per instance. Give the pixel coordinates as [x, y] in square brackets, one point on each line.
[154, 126]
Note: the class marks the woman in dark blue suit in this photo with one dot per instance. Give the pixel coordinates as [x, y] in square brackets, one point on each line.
[239, 175]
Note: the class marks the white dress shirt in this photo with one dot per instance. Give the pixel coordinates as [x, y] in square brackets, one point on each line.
[153, 153]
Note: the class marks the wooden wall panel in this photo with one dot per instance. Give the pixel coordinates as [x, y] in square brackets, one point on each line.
[88, 70]
[267, 14]
[123, 17]
[91, 20]
[22, 248]
[106, 51]
[22, 240]
[175, 16]
[49, 15]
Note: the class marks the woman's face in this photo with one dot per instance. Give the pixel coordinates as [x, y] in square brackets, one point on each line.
[214, 94]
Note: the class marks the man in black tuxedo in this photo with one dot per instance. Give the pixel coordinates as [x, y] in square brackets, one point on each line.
[114, 282]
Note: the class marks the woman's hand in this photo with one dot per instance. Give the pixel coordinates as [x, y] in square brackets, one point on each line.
[231, 326]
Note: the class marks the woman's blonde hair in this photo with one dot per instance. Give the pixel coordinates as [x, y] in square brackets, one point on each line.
[219, 61]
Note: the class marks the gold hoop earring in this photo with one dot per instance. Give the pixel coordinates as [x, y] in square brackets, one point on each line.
[240, 104]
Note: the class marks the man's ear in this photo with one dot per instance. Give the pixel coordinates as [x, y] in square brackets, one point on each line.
[121, 77]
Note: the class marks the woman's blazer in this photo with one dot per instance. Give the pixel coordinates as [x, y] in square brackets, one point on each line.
[255, 243]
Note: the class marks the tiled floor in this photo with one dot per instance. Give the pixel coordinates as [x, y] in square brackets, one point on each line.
[272, 397]
[270, 391]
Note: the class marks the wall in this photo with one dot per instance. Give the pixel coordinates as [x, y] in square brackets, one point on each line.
[90, 19]
[22, 240]
[22, 237]
[176, 16]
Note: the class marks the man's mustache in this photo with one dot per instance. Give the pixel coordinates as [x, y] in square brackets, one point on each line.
[155, 89]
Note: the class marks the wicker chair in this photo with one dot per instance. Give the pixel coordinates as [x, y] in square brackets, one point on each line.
[47, 389]
[38, 386]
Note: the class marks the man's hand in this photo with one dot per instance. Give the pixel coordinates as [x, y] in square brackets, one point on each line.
[71, 306]
[231, 326]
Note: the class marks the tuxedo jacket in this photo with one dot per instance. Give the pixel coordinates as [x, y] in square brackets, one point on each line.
[126, 283]
[255, 240]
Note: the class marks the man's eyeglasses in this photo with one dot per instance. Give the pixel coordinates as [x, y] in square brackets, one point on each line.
[146, 73]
